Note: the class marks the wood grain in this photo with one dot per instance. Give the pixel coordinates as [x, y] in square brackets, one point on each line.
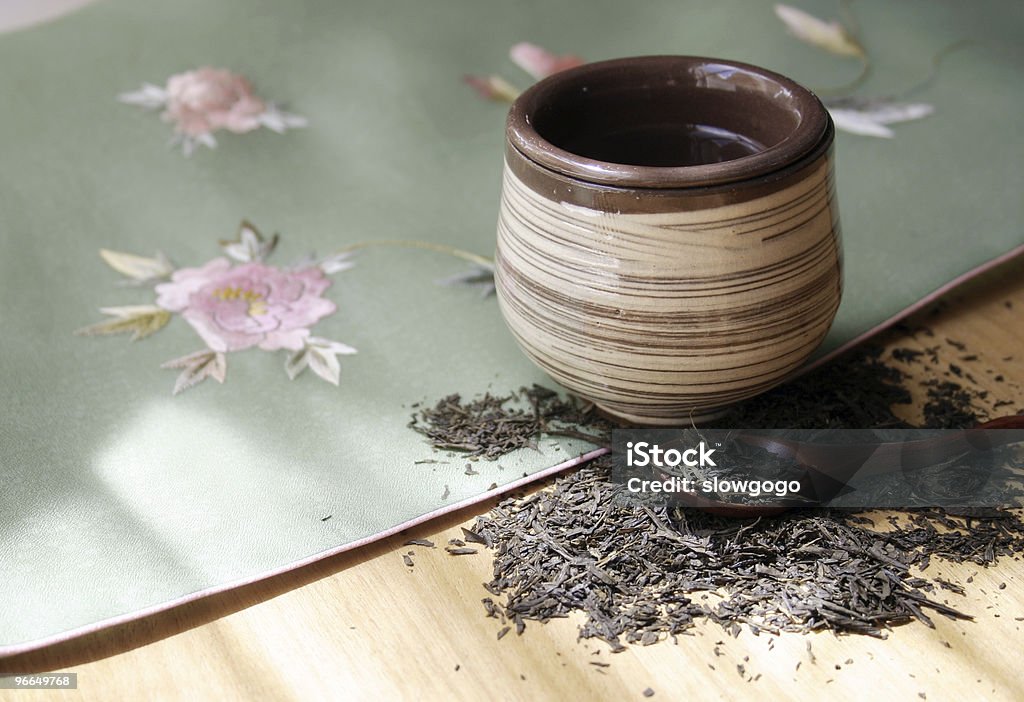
[365, 626]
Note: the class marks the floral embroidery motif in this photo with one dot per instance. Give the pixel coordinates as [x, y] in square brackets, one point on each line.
[201, 102]
[866, 116]
[539, 62]
[233, 306]
[535, 60]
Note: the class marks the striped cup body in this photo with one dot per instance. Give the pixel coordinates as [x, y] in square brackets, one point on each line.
[668, 306]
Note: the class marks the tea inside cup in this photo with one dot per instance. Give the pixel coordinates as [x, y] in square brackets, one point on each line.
[666, 121]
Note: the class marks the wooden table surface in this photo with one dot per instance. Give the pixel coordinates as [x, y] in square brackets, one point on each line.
[363, 625]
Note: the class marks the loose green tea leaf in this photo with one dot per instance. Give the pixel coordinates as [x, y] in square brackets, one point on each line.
[638, 572]
[491, 426]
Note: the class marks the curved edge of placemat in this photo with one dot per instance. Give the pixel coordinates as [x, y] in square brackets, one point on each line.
[916, 307]
[36, 644]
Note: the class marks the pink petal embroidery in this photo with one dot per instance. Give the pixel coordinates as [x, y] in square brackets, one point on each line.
[174, 296]
[292, 339]
[252, 304]
[539, 62]
[209, 99]
[233, 307]
[492, 87]
[201, 102]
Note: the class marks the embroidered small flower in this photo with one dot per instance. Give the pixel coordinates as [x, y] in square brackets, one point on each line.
[535, 60]
[479, 275]
[830, 36]
[233, 306]
[539, 62]
[872, 117]
[492, 87]
[201, 102]
[210, 99]
[867, 116]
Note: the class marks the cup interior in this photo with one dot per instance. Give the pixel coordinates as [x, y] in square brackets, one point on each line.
[666, 121]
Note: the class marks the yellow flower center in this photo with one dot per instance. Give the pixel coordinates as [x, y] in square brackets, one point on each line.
[257, 305]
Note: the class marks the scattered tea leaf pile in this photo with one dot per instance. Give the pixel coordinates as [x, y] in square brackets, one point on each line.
[637, 572]
[490, 427]
[642, 572]
[858, 392]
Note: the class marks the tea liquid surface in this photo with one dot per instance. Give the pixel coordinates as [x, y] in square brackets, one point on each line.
[662, 145]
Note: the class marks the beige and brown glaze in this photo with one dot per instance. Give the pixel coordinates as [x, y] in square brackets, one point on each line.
[665, 293]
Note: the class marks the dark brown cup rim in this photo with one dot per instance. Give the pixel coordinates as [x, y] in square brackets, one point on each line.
[812, 119]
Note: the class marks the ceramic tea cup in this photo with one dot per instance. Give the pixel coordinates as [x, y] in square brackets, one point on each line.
[668, 240]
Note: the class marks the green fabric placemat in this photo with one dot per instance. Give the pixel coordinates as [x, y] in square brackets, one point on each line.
[117, 498]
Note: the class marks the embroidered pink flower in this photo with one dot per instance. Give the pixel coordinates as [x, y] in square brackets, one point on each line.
[539, 62]
[210, 99]
[201, 102]
[492, 87]
[535, 60]
[235, 308]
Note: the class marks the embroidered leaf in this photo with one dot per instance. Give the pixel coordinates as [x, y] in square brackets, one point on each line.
[895, 112]
[197, 367]
[325, 365]
[296, 363]
[189, 143]
[330, 346]
[321, 356]
[856, 122]
[337, 262]
[250, 245]
[477, 276]
[149, 96]
[539, 62]
[206, 139]
[831, 36]
[492, 87]
[139, 268]
[302, 262]
[138, 320]
[869, 119]
[277, 121]
[186, 361]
